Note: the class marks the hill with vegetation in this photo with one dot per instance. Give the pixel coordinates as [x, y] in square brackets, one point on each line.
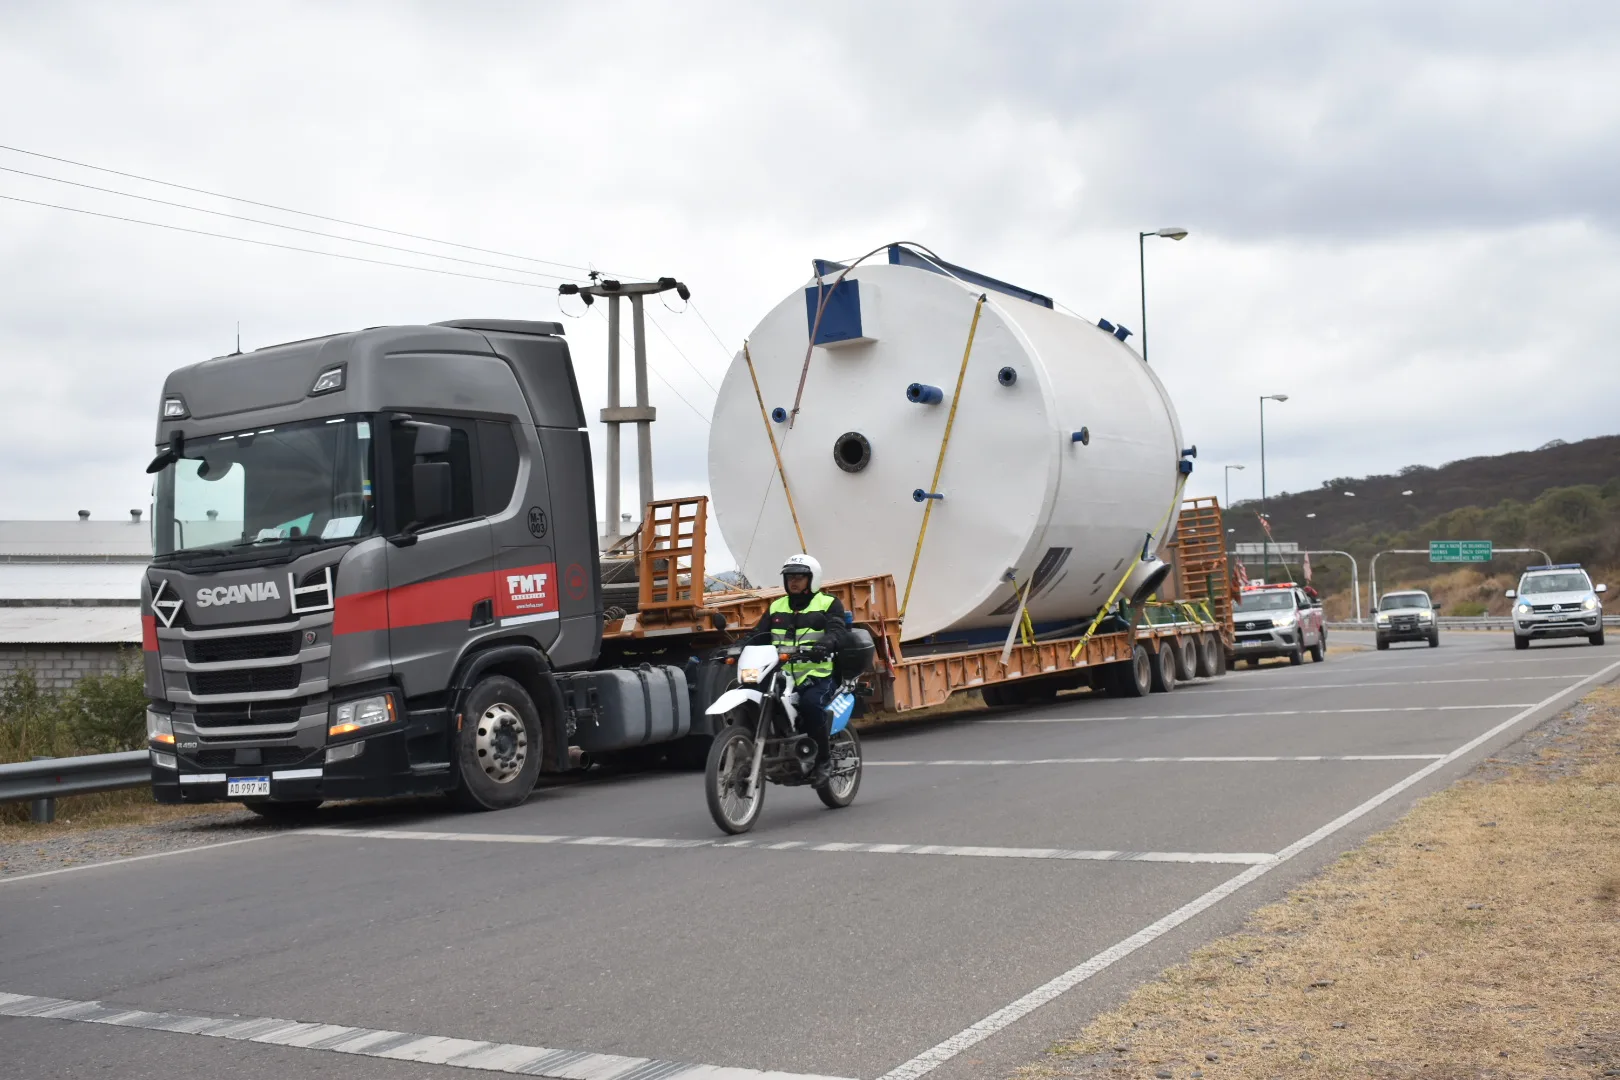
[1563, 498]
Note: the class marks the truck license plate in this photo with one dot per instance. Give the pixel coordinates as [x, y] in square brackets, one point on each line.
[1250, 644]
[248, 785]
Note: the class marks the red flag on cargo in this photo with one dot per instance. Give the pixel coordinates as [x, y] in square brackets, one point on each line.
[1266, 525]
[1242, 573]
[1307, 568]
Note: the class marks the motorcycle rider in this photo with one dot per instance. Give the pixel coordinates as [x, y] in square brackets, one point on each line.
[807, 616]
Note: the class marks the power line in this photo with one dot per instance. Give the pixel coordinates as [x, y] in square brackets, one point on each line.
[712, 332]
[667, 384]
[695, 369]
[271, 244]
[289, 210]
[280, 225]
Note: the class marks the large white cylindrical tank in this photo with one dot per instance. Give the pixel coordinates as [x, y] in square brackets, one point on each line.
[1023, 489]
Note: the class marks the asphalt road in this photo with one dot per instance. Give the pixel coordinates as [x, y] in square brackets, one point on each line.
[998, 881]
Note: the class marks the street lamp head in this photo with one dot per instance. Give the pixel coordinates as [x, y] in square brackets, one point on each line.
[1349, 494]
[1310, 515]
[1238, 467]
[1173, 233]
[1274, 397]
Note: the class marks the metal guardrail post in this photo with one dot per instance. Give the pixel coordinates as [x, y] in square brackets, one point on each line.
[42, 811]
[44, 780]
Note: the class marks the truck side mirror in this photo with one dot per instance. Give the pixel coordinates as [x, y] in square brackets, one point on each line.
[430, 487]
[431, 438]
[1511, 594]
[1601, 588]
[1434, 607]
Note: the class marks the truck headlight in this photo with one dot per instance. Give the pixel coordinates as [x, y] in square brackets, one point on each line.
[1383, 619]
[352, 716]
[1590, 603]
[1425, 616]
[1523, 609]
[1283, 622]
[748, 674]
[159, 728]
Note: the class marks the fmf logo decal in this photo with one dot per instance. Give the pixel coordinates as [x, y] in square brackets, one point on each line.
[527, 590]
[237, 594]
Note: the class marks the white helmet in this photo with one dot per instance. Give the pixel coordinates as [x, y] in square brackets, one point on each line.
[803, 564]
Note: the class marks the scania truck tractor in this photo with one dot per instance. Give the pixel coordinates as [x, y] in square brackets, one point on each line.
[375, 573]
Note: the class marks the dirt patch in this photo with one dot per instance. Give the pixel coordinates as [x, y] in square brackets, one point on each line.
[1475, 938]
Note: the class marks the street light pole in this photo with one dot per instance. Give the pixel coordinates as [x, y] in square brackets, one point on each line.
[1227, 505]
[1172, 233]
[1265, 541]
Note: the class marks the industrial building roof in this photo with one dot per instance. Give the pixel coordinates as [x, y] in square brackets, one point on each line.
[126, 540]
[70, 625]
[79, 581]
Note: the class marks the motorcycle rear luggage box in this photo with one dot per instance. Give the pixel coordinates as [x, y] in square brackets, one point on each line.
[627, 707]
[855, 658]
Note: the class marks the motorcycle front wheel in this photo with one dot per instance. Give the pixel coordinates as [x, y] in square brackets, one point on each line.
[846, 771]
[731, 758]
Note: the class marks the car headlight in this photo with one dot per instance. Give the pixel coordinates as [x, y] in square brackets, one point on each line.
[159, 728]
[1383, 619]
[352, 716]
[1425, 616]
[1523, 609]
[1590, 603]
[1283, 622]
[748, 674]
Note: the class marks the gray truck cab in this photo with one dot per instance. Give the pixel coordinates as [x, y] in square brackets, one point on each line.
[1406, 615]
[374, 553]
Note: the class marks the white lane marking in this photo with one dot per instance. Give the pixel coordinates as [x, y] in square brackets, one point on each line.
[837, 846]
[5, 879]
[1162, 760]
[1260, 712]
[394, 1045]
[1206, 689]
[932, 1058]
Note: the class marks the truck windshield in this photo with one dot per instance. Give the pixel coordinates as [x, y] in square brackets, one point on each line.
[1279, 600]
[307, 482]
[1550, 583]
[1404, 600]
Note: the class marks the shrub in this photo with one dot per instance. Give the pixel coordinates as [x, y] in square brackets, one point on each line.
[101, 714]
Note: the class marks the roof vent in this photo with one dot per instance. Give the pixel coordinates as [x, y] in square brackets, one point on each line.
[84, 515]
[135, 516]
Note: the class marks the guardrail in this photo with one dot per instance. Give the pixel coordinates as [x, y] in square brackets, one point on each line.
[1462, 622]
[45, 780]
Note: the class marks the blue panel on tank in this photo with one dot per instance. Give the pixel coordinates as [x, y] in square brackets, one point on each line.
[841, 320]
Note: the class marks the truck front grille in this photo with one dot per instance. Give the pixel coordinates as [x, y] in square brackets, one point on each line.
[246, 647]
[1252, 624]
[246, 681]
[270, 756]
[241, 716]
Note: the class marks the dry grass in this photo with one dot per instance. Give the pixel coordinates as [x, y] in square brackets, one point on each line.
[1479, 937]
[112, 808]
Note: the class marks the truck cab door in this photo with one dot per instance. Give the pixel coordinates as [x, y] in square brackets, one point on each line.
[441, 582]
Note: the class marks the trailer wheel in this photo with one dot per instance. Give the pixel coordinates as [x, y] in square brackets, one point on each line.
[498, 747]
[1164, 667]
[1135, 678]
[1186, 659]
[1209, 656]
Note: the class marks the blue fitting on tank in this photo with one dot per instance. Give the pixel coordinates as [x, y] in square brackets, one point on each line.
[1121, 332]
[919, 495]
[1191, 451]
[1083, 436]
[1185, 466]
[1105, 326]
[1007, 376]
[779, 414]
[923, 394]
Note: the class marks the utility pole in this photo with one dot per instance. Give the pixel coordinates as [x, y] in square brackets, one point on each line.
[642, 414]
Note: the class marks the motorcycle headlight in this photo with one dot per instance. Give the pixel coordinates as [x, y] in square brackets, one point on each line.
[1590, 603]
[1523, 609]
[352, 716]
[159, 728]
[748, 675]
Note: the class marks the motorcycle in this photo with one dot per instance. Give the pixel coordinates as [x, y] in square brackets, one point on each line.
[761, 741]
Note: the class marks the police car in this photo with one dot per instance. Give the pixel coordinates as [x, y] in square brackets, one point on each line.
[1278, 620]
[1556, 601]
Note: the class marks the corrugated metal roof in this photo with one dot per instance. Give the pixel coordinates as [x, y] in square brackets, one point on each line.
[71, 581]
[68, 539]
[70, 625]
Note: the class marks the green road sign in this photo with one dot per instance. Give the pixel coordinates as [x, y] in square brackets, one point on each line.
[1459, 551]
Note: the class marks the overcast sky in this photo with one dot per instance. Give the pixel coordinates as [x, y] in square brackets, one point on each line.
[1403, 216]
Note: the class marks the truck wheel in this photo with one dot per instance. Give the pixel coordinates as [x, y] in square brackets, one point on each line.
[1208, 656]
[498, 746]
[1434, 640]
[1297, 657]
[1383, 643]
[1135, 677]
[286, 813]
[993, 696]
[1187, 659]
[1319, 650]
[1164, 667]
[1520, 642]
[1596, 639]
